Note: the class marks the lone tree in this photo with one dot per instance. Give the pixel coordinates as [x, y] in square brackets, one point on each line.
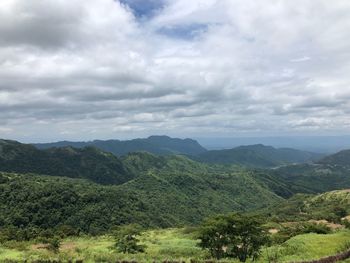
[126, 240]
[232, 235]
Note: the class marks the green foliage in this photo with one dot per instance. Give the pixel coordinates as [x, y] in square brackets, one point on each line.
[33, 206]
[232, 235]
[314, 178]
[341, 158]
[89, 163]
[307, 247]
[299, 228]
[331, 206]
[126, 239]
[161, 145]
[346, 223]
[257, 156]
[54, 244]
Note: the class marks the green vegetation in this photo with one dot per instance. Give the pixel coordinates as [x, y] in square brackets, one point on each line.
[54, 244]
[89, 163]
[332, 206]
[341, 158]
[307, 247]
[71, 206]
[257, 156]
[160, 145]
[314, 178]
[126, 239]
[171, 244]
[66, 203]
[232, 236]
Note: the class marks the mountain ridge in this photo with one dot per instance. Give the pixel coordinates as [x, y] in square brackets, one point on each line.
[258, 155]
[160, 145]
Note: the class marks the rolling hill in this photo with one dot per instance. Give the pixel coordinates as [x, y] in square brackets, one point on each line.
[341, 158]
[177, 193]
[160, 145]
[257, 156]
[330, 173]
[159, 191]
[331, 206]
[89, 163]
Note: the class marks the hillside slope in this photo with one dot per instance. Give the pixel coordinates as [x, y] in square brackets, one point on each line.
[331, 206]
[160, 145]
[257, 156]
[156, 198]
[328, 174]
[89, 163]
[341, 158]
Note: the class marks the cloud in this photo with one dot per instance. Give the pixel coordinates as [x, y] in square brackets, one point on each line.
[106, 69]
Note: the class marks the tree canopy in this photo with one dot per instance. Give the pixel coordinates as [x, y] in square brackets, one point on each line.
[232, 235]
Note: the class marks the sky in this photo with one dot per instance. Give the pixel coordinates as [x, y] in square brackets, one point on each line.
[87, 69]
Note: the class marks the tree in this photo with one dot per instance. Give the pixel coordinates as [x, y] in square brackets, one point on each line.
[126, 239]
[232, 235]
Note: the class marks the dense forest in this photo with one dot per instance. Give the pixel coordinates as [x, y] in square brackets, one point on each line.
[72, 191]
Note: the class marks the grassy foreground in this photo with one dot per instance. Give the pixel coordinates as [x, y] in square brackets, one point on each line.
[171, 244]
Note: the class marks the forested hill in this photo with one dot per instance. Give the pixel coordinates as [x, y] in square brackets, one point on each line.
[341, 158]
[257, 156]
[89, 163]
[160, 145]
[139, 187]
[329, 205]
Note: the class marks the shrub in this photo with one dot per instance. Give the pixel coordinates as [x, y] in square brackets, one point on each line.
[54, 245]
[126, 239]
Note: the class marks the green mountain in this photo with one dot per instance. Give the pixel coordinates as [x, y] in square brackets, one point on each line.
[185, 184]
[330, 173]
[158, 191]
[341, 158]
[89, 163]
[164, 197]
[257, 156]
[160, 145]
[33, 204]
[331, 206]
[152, 190]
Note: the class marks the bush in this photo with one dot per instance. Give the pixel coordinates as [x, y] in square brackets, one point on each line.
[290, 231]
[346, 223]
[126, 239]
[54, 245]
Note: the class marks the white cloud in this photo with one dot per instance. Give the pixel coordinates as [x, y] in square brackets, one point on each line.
[90, 69]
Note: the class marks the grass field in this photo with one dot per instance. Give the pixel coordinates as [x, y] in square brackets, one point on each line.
[171, 244]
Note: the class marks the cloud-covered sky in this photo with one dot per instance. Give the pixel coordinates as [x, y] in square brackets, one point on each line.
[86, 69]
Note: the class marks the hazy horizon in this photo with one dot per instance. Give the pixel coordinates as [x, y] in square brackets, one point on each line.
[319, 144]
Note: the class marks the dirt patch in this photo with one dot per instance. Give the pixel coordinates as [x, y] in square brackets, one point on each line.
[346, 218]
[332, 226]
[273, 231]
[40, 246]
[68, 246]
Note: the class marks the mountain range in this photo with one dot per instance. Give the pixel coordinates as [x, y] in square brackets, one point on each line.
[160, 145]
[91, 190]
[258, 156]
[253, 155]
